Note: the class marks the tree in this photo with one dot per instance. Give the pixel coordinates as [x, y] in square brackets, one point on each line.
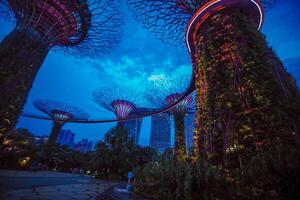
[17, 145]
[118, 153]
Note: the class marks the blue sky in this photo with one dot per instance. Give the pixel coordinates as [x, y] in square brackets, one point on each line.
[137, 60]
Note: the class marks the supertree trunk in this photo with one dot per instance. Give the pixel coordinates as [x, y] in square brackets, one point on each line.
[180, 149]
[20, 59]
[55, 132]
[240, 101]
[120, 125]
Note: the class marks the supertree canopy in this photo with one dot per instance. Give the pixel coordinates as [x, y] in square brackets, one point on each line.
[246, 101]
[86, 28]
[168, 19]
[120, 101]
[166, 92]
[60, 113]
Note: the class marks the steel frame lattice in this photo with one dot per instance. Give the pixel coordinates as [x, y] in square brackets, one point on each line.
[121, 101]
[167, 20]
[86, 28]
[167, 91]
[60, 111]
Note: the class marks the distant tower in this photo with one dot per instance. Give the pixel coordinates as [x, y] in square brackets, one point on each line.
[84, 145]
[66, 137]
[80, 28]
[134, 126]
[160, 133]
[124, 103]
[166, 92]
[60, 114]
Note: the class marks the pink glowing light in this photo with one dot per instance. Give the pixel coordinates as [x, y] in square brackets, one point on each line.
[122, 108]
[208, 9]
[53, 19]
[183, 105]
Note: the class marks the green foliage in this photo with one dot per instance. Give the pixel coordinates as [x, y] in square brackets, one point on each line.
[114, 157]
[157, 180]
[272, 175]
[180, 149]
[62, 158]
[17, 144]
[118, 154]
[179, 180]
[246, 101]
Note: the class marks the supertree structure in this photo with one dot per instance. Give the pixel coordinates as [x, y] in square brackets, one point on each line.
[121, 101]
[60, 113]
[166, 92]
[82, 28]
[246, 100]
[168, 19]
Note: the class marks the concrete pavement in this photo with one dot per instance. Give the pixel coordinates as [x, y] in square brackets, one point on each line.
[45, 185]
[22, 185]
[118, 192]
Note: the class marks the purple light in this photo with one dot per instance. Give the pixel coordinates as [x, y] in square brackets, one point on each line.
[122, 108]
[53, 19]
[75, 27]
[212, 7]
[183, 105]
[60, 111]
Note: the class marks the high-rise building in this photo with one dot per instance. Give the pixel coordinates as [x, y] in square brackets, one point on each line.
[160, 132]
[134, 126]
[189, 130]
[66, 137]
[84, 145]
[90, 146]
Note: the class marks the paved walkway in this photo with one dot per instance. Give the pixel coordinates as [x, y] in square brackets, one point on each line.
[22, 185]
[64, 192]
[19, 173]
[118, 192]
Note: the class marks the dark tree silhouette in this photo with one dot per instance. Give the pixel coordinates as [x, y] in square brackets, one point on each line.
[79, 28]
[60, 113]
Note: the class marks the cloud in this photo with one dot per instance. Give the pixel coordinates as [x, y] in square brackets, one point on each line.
[156, 77]
[136, 72]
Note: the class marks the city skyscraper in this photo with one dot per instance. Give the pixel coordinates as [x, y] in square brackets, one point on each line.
[160, 132]
[84, 145]
[66, 137]
[134, 126]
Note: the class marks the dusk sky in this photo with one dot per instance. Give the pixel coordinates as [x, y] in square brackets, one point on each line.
[139, 59]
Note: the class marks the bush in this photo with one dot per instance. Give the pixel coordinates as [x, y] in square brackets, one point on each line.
[118, 154]
[275, 174]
